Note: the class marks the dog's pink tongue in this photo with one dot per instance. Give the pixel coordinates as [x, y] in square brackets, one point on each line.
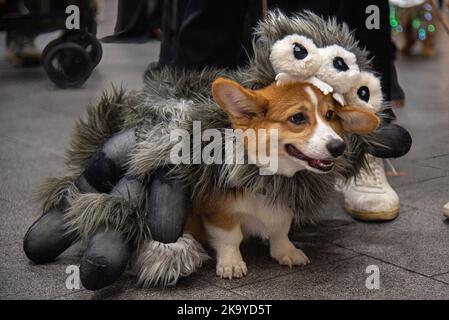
[315, 162]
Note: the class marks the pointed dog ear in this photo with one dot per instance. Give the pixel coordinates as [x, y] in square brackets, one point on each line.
[358, 120]
[237, 101]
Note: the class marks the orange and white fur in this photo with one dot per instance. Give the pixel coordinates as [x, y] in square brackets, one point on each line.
[307, 121]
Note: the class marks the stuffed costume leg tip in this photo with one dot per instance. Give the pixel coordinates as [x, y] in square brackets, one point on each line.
[168, 205]
[390, 141]
[104, 259]
[47, 238]
[162, 265]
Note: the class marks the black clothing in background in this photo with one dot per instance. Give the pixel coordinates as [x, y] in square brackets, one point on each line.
[136, 21]
[199, 33]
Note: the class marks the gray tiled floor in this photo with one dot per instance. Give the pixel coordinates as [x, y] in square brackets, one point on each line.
[412, 252]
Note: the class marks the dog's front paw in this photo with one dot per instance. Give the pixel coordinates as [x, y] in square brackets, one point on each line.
[231, 269]
[292, 257]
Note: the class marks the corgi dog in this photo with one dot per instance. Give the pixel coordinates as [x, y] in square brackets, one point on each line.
[310, 126]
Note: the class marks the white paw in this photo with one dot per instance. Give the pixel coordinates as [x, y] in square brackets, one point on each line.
[231, 269]
[292, 257]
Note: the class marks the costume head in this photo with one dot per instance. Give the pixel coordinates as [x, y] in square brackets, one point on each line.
[339, 68]
[297, 55]
[333, 55]
[365, 91]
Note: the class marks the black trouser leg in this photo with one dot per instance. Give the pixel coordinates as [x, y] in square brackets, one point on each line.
[200, 33]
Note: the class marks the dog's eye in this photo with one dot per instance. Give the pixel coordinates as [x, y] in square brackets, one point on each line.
[298, 118]
[329, 115]
[363, 93]
[340, 64]
[299, 51]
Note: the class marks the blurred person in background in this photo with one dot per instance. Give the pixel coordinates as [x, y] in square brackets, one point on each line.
[21, 49]
[137, 21]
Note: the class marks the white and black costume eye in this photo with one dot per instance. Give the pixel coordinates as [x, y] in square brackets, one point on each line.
[363, 93]
[299, 51]
[340, 64]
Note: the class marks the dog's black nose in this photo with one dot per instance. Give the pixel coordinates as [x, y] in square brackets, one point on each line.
[336, 147]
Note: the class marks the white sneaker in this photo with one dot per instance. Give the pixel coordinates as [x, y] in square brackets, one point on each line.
[369, 197]
[446, 209]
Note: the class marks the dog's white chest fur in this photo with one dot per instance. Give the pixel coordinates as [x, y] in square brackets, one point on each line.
[259, 218]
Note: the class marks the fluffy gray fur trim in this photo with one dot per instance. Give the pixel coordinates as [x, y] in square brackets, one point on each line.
[56, 193]
[102, 121]
[89, 211]
[159, 264]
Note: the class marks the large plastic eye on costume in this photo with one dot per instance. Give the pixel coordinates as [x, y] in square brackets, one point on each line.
[340, 64]
[363, 93]
[299, 51]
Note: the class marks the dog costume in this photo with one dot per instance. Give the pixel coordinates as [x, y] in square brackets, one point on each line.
[123, 198]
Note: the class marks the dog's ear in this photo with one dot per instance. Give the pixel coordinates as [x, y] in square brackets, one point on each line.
[237, 101]
[357, 120]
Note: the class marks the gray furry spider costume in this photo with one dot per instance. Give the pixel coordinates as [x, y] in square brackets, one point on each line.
[128, 203]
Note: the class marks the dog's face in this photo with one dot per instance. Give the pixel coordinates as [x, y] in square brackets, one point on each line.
[309, 125]
[339, 68]
[297, 55]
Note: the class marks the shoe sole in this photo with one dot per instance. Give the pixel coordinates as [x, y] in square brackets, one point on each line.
[373, 216]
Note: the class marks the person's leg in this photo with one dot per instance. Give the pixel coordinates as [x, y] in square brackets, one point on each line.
[137, 21]
[203, 33]
[369, 195]
[20, 47]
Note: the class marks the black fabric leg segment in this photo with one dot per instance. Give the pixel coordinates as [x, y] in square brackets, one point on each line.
[104, 260]
[393, 141]
[128, 188]
[168, 204]
[46, 239]
[108, 165]
[102, 173]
